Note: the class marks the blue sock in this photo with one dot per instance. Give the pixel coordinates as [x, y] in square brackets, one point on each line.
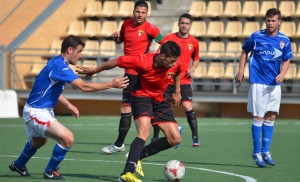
[256, 132]
[58, 155]
[26, 154]
[267, 134]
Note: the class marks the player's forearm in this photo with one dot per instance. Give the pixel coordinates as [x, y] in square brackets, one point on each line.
[177, 83]
[92, 87]
[63, 101]
[285, 67]
[195, 64]
[107, 65]
[243, 60]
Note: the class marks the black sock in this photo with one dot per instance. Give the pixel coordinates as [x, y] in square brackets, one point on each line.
[134, 154]
[156, 130]
[124, 126]
[192, 120]
[155, 147]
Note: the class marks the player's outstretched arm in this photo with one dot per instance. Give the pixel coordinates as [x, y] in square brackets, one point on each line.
[177, 95]
[89, 71]
[240, 74]
[118, 82]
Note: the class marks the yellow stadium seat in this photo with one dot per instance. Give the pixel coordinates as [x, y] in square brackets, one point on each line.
[109, 9]
[55, 47]
[92, 9]
[250, 9]
[288, 28]
[108, 28]
[125, 9]
[292, 72]
[215, 70]
[91, 48]
[92, 29]
[233, 29]
[230, 71]
[233, 49]
[297, 11]
[249, 28]
[202, 48]
[232, 9]
[287, 8]
[215, 29]
[215, 49]
[107, 48]
[198, 28]
[265, 5]
[75, 28]
[197, 8]
[214, 9]
[201, 70]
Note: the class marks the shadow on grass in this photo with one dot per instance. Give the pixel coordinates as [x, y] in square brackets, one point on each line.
[88, 176]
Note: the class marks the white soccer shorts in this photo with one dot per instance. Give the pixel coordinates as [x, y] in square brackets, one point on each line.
[263, 98]
[37, 120]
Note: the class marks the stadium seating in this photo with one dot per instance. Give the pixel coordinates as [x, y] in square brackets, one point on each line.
[215, 29]
[92, 9]
[287, 8]
[214, 9]
[125, 9]
[55, 47]
[292, 72]
[233, 49]
[201, 70]
[230, 71]
[233, 29]
[215, 70]
[92, 29]
[249, 28]
[202, 48]
[265, 5]
[198, 28]
[297, 11]
[197, 9]
[250, 9]
[232, 9]
[109, 9]
[107, 48]
[288, 28]
[37, 66]
[91, 48]
[75, 28]
[297, 33]
[215, 49]
[108, 28]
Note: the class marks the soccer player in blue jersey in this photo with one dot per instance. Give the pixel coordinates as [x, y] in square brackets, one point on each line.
[38, 112]
[268, 63]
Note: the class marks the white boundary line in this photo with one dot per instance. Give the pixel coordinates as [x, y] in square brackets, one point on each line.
[246, 178]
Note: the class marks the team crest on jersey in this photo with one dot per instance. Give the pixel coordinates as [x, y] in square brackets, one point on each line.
[140, 32]
[190, 46]
[281, 44]
[170, 74]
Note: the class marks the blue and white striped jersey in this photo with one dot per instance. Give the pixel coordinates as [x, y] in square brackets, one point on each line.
[50, 83]
[267, 54]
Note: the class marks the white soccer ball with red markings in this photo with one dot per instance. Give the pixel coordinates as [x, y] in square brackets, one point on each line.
[174, 170]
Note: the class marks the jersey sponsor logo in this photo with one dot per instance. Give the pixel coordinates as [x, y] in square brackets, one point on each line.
[282, 44]
[276, 53]
[170, 74]
[140, 32]
[190, 46]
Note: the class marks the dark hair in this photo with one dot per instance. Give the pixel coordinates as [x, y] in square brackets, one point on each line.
[141, 4]
[272, 12]
[71, 41]
[186, 15]
[170, 49]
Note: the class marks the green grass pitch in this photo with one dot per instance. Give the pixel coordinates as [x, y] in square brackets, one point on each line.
[224, 155]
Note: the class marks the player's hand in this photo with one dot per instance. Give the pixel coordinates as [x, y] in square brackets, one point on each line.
[120, 82]
[73, 110]
[239, 78]
[88, 71]
[176, 99]
[190, 72]
[116, 35]
[279, 78]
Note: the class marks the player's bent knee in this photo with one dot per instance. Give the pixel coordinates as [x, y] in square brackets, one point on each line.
[68, 140]
[38, 142]
[174, 140]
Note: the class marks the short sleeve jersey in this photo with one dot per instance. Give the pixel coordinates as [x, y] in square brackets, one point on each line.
[189, 50]
[267, 54]
[153, 80]
[138, 39]
[50, 83]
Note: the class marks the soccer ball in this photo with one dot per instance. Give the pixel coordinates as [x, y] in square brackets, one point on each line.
[174, 170]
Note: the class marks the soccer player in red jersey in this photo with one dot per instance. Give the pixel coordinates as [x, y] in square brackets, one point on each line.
[137, 35]
[155, 72]
[189, 50]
